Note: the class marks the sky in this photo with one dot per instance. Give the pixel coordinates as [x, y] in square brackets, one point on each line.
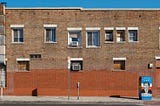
[84, 3]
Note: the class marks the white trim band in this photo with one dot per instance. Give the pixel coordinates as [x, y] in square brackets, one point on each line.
[17, 26]
[50, 25]
[108, 28]
[157, 57]
[74, 59]
[122, 58]
[93, 28]
[120, 28]
[22, 59]
[74, 29]
[132, 28]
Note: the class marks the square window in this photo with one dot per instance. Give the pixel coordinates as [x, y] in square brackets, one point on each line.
[120, 34]
[74, 38]
[17, 34]
[133, 35]
[109, 36]
[119, 64]
[76, 65]
[23, 65]
[93, 38]
[50, 35]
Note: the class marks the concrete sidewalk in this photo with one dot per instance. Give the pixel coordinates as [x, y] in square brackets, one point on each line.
[72, 99]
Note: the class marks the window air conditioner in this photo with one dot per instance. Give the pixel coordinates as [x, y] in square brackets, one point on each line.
[76, 66]
[74, 43]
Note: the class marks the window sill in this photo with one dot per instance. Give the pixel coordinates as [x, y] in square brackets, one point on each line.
[50, 42]
[108, 42]
[96, 47]
[133, 41]
[23, 71]
[80, 71]
[119, 70]
[78, 47]
[121, 42]
[17, 42]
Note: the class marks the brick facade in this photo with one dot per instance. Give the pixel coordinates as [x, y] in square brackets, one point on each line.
[48, 75]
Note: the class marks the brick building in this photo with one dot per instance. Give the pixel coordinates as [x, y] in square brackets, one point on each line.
[109, 50]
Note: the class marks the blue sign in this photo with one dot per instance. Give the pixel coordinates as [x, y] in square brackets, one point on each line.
[146, 88]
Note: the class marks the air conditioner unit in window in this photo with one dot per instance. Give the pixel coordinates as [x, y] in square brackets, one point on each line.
[76, 66]
[74, 43]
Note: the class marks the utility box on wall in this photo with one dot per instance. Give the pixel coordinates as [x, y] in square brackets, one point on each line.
[145, 88]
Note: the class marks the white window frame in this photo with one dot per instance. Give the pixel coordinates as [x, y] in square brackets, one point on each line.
[121, 29]
[77, 59]
[26, 60]
[120, 59]
[92, 29]
[78, 30]
[52, 27]
[133, 29]
[109, 29]
[18, 27]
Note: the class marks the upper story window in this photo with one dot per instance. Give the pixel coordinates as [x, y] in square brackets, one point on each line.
[50, 33]
[120, 34]
[2, 39]
[35, 56]
[1, 29]
[133, 34]
[74, 37]
[17, 33]
[93, 37]
[108, 34]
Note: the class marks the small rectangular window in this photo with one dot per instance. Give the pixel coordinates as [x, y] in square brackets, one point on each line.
[76, 65]
[50, 34]
[133, 35]
[120, 34]
[23, 65]
[93, 38]
[119, 63]
[35, 56]
[74, 39]
[109, 35]
[17, 34]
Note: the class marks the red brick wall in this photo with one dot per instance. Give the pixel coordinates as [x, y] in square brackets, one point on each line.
[92, 83]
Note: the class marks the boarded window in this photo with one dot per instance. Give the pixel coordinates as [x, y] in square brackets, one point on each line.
[119, 64]
[23, 65]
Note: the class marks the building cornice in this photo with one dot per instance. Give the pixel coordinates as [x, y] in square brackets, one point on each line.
[76, 8]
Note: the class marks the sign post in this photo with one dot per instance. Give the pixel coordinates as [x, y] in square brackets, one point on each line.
[69, 66]
[78, 87]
